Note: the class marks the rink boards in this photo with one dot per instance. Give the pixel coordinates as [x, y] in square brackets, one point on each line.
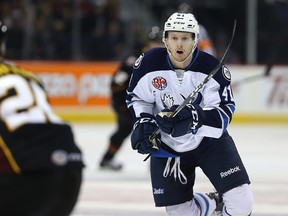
[79, 91]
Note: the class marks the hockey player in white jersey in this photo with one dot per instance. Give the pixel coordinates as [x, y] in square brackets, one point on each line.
[197, 136]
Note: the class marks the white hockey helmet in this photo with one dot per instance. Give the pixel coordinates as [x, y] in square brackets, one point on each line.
[183, 22]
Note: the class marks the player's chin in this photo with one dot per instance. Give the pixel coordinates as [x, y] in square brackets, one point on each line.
[180, 58]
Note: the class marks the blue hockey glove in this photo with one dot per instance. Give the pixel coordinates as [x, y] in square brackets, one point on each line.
[143, 129]
[186, 121]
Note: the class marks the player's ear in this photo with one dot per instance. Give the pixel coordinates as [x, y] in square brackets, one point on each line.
[164, 39]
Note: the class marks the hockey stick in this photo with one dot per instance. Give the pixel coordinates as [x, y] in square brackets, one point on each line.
[256, 77]
[196, 90]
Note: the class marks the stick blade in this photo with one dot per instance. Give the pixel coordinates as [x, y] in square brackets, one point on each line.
[268, 69]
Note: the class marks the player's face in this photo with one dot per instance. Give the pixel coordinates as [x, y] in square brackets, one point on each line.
[180, 44]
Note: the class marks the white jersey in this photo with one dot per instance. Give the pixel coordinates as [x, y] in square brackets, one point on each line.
[155, 85]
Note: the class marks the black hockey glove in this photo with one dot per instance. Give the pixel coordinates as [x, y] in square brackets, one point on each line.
[186, 121]
[142, 130]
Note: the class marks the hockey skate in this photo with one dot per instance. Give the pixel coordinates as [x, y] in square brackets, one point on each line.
[219, 202]
[110, 165]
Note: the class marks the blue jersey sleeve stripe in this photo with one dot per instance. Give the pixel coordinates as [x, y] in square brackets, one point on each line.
[228, 110]
[231, 107]
[225, 120]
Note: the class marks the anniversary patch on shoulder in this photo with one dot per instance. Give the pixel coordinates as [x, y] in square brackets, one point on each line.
[226, 73]
[138, 61]
[159, 83]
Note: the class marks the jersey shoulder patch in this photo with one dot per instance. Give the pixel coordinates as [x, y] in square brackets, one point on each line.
[226, 73]
[138, 61]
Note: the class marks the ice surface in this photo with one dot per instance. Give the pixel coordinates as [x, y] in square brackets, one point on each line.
[263, 149]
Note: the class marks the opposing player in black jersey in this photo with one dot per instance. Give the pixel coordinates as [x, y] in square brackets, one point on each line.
[40, 164]
[197, 136]
[119, 84]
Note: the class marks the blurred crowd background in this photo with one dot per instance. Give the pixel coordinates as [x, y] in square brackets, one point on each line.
[109, 29]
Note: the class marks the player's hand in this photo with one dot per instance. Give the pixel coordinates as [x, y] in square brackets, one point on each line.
[143, 129]
[186, 121]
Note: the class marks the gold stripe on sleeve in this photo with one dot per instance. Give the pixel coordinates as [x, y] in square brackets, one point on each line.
[9, 156]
